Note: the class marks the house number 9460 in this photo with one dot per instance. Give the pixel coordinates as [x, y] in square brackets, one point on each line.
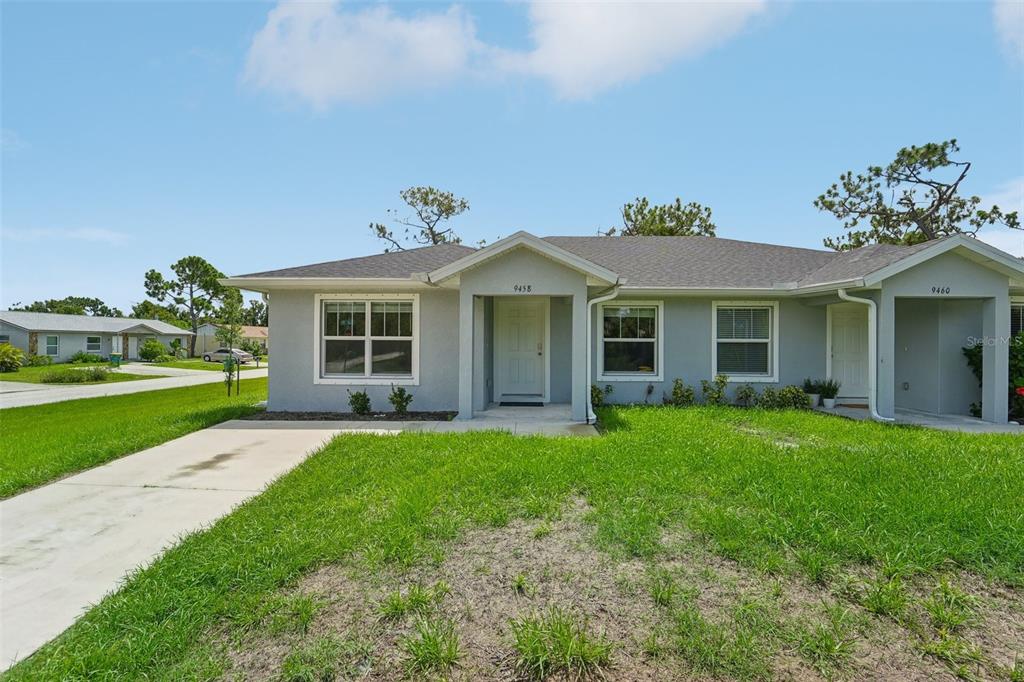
[522, 288]
[940, 290]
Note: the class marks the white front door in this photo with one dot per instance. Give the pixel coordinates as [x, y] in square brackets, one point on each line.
[520, 356]
[850, 349]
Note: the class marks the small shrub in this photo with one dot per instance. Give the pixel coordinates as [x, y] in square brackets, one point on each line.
[714, 390]
[359, 402]
[400, 399]
[829, 388]
[682, 395]
[163, 358]
[794, 397]
[598, 395]
[554, 643]
[11, 358]
[812, 386]
[151, 349]
[433, 648]
[769, 399]
[40, 361]
[81, 357]
[74, 376]
[746, 395]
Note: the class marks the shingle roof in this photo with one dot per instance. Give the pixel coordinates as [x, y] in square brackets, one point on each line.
[397, 264]
[857, 263]
[650, 262]
[695, 262]
[54, 322]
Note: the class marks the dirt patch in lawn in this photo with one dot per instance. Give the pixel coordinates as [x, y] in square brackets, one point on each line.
[687, 613]
[352, 417]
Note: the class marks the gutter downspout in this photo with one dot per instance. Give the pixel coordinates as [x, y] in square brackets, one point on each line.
[872, 353]
[591, 416]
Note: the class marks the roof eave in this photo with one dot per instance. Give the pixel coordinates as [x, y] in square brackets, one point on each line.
[267, 284]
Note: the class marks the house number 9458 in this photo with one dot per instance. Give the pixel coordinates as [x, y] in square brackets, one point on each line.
[522, 288]
[940, 290]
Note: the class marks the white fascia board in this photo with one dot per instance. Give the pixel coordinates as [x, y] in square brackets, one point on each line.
[527, 240]
[267, 284]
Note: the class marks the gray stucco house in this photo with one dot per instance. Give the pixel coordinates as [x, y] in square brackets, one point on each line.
[61, 336]
[538, 320]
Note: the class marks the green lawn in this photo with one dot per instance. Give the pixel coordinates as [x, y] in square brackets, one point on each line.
[199, 363]
[44, 442]
[31, 375]
[853, 513]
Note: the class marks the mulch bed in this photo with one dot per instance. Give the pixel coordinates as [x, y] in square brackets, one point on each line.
[352, 417]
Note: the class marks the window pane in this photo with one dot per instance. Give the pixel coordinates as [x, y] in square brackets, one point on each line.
[646, 322]
[405, 326]
[744, 323]
[629, 356]
[392, 357]
[391, 319]
[612, 323]
[344, 357]
[331, 319]
[629, 328]
[92, 344]
[1016, 319]
[743, 358]
[377, 319]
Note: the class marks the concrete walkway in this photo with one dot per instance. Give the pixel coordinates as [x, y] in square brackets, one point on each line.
[942, 422]
[67, 544]
[17, 394]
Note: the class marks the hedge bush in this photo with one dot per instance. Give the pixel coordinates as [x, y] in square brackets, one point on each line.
[11, 358]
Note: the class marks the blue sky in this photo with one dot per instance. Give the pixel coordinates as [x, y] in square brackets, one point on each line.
[262, 136]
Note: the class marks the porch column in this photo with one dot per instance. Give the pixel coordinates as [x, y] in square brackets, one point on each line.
[995, 359]
[580, 389]
[886, 350]
[465, 354]
[479, 380]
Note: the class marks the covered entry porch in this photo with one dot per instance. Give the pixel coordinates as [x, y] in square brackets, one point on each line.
[524, 306]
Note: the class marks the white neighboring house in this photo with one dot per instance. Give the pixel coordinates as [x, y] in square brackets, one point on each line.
[206, 339]
[61, 336]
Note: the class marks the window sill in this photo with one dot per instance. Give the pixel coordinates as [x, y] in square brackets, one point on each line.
[368, 381]
[752, 379]
[650, 378]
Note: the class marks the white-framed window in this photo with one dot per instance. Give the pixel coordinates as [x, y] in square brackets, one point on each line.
[93, 344]
[5, 338]
[367, 339]
[1016, 317]
[744, 340]
[631, 341]
[53, 346]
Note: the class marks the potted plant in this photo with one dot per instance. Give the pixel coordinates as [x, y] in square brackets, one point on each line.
[812, 387]
[829, 389]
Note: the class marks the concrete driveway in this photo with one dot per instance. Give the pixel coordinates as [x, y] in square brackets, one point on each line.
[15, 394]
[67, 544]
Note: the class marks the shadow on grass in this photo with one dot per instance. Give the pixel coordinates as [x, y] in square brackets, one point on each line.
[610, 419]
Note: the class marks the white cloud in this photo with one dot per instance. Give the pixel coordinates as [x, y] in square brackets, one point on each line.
[83, 234]
[1008, 16]
[324, 53]
[582, 48]
[1008, 196]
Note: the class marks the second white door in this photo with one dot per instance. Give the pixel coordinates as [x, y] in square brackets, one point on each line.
[850, 349]
[520, 356]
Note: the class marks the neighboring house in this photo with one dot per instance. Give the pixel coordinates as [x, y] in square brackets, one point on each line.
[531, 320]
[61, 336]
[206, 339]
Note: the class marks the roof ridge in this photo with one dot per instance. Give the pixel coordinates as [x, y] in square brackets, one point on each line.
[369, 255]
[690, 236]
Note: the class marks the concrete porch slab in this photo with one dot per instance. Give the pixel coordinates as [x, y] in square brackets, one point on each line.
[942, 422]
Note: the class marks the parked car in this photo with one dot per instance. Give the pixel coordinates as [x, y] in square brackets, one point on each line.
[221, 353]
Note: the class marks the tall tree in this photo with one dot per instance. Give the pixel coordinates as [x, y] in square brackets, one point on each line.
[169, 313]
[432, 209]
[640, 218]
[256, 314]
[71, 305]
[193, 292]
[912, 200]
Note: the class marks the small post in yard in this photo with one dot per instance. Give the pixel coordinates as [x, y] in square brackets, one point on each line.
[238, 377]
